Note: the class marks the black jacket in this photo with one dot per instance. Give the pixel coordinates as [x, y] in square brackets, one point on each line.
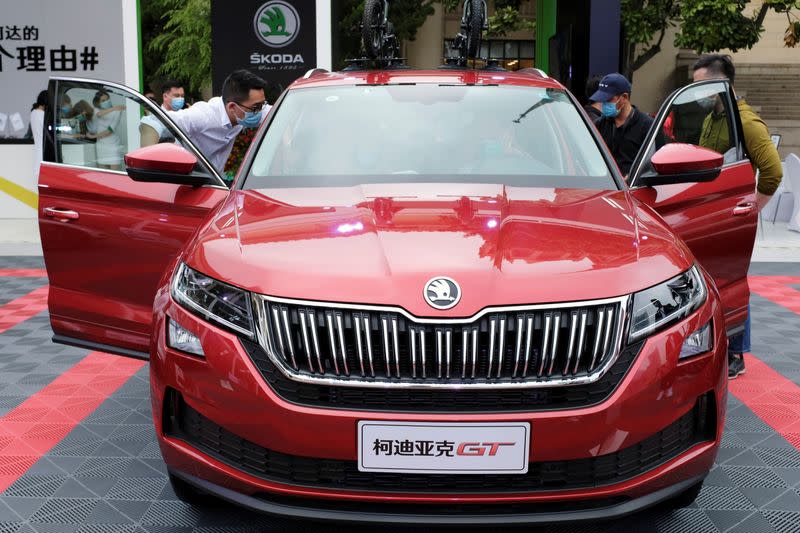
[624, 142]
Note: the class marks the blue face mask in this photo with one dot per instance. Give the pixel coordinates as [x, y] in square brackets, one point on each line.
[176, 104]
[610, 110]
[106, 104]
[66, 108]
[251, 119]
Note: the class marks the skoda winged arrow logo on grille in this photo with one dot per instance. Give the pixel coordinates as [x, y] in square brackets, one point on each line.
[442, 292]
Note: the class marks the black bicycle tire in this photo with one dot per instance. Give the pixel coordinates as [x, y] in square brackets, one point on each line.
[474, 20]
[371, 35]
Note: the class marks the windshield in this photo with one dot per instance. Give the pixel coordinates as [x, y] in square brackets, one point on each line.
[350, 135]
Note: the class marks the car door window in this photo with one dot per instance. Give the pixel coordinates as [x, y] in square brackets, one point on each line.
[96, 125]
[701, 115]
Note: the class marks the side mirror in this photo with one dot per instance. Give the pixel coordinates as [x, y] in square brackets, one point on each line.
[164, 163]
[683, 163]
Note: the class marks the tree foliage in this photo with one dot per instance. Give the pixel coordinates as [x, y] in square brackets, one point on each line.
[178, 42]
[703, 26]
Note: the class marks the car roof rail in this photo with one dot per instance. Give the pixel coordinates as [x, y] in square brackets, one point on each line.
[313, 72]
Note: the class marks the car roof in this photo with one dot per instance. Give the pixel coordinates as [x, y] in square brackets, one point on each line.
[521, 78]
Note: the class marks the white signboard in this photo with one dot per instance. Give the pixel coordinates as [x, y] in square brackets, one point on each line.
[81, 38]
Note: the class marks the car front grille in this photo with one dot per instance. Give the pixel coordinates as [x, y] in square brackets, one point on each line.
[465, 400]
[183, 422]
[530, 346]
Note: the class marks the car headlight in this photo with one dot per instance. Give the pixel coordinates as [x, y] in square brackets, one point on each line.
[217, 302]
[666, 303]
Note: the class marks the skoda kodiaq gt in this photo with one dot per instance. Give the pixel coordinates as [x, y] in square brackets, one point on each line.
[427, 296]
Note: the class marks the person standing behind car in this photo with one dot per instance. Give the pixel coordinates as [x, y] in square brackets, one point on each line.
[764, 158]
[622, 126]
[173, 96]
[37, 129]
[592, 108]
[213, 126]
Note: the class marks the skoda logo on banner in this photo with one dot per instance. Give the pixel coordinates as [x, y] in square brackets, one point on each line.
[276, 23]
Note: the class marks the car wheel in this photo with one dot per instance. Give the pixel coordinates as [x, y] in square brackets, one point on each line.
[684, 499]
[187, 493]
[371, 28]
[474, 18]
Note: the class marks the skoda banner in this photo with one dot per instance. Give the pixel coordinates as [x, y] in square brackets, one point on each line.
[275, 39]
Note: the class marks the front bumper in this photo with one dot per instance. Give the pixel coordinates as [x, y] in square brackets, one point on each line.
[423, 515]
[226, 388]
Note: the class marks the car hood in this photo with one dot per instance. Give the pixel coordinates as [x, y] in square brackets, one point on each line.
[380, 244]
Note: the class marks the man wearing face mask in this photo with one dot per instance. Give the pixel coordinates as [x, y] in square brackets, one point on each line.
[622, 126]
[172, 95]
[213, 126]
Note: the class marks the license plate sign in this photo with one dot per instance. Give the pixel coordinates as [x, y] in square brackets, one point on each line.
[443, 448]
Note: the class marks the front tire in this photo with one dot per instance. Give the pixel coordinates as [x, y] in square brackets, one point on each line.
[372, 28]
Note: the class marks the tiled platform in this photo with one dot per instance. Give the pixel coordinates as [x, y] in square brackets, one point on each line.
[78, 451]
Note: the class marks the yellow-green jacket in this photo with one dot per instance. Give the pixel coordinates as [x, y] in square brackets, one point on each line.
[763, 154]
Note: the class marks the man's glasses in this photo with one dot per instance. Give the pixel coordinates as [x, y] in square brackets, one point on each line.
[255, 108]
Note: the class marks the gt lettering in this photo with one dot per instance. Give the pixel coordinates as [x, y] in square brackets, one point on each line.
[479, 449]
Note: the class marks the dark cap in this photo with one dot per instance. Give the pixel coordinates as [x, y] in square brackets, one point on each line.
[610, 86]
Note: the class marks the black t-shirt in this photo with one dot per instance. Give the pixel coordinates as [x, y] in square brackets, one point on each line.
[625, 141]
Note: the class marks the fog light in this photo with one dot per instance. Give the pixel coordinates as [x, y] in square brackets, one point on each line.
[181, 339]
[697, 343]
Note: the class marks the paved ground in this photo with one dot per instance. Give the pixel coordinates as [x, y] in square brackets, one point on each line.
[78, 452]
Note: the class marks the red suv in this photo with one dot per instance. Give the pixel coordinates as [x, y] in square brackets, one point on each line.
[428, 296]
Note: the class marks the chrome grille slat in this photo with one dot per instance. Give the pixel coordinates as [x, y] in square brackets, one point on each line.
[448, 345]
[501, 348]
[306, 343]
[332, 340]
[517, 350]
[368, 337]
[601, 315]
[412, 341]
[607, 335]
[528, 344]
[357, 327]
[312, 319]
[342, 348]
[581, 338]
[278, 333]
[439, 353]
[289, 343]
[545, 344]
[422, 351]
[554, 347]
[464, 352]
[524, 346]
[385, 330]
[573, 328]
[491, 344]
[474, 352]
[396, 343]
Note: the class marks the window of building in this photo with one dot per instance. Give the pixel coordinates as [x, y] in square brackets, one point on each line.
[512, 55]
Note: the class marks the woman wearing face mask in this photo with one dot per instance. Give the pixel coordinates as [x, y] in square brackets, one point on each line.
[105, 123]
[622, 126]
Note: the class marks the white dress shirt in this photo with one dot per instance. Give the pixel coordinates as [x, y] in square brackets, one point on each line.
[208, 127]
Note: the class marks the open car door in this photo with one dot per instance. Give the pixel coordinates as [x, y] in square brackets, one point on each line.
[714, 212]
[109, 230]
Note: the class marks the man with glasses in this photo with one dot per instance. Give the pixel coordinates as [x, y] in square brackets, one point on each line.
[213, 126]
